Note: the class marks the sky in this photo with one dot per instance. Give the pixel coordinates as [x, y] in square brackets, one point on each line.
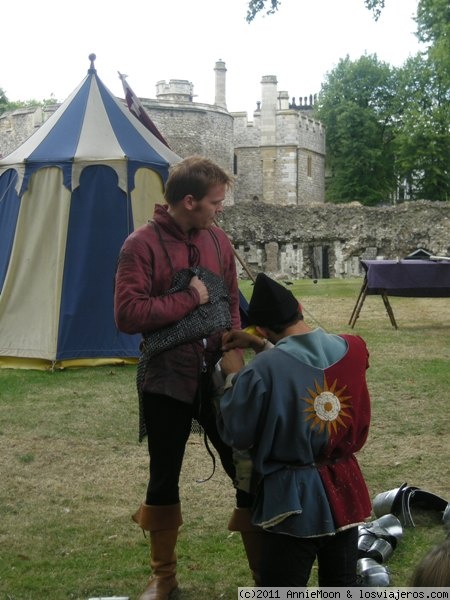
[48, 45]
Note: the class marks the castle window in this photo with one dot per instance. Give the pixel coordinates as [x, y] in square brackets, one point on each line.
[309, 166]
[235, 165]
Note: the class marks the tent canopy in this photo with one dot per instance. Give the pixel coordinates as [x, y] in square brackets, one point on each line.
[90, 127]
[69, 196]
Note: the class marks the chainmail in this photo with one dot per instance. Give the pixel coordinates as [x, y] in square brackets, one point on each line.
[205, 320]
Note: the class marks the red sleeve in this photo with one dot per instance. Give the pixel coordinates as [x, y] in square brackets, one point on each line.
[135, 309]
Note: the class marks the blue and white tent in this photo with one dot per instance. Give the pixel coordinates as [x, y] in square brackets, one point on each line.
[69, 196]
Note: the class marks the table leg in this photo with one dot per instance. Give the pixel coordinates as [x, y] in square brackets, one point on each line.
[389, 310]
[359, 303]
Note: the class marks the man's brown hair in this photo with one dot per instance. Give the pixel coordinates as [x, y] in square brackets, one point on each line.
[194, 176]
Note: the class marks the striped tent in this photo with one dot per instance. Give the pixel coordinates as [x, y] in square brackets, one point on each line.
[69, 196]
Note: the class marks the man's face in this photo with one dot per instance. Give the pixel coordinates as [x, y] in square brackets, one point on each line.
[205, 210]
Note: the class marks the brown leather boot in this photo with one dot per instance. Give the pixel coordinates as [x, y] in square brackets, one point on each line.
[251, 538]
[162, 522]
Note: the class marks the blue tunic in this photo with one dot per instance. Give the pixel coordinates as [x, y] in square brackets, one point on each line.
[302, 409]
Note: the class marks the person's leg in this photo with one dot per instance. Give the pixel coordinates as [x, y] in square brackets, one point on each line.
[287, 560]
[240, 519]
[162, 522]
[252, 539]
[206, 416]
[337, 559]
[168, 426]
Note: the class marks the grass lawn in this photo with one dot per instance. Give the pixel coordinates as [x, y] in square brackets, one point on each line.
[72, 470]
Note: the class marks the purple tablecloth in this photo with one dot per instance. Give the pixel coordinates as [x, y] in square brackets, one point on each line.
[412, 278]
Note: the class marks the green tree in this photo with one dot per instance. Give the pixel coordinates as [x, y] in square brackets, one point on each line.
[355, 104]
[388, 128]
[271, 6]
[3, 101]
[433, 29]
[423, 141]
[6, 104]
[433, 19]
[423, 137]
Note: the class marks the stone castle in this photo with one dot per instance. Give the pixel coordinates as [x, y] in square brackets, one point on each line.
[277, 217]
[278, 157]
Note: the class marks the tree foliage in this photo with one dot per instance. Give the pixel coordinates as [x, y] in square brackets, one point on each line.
[3, 101]
[433, 20]
[388, 129]
[355, 104]
[423, 139]
[256, 6]
[433, 29]
[6, 105]
[269, 7]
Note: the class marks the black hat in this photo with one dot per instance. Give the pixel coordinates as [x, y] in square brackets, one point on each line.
[271, 303]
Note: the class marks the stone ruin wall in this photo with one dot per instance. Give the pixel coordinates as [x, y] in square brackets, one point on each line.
[300, 240]
[313, 241]
[18, 125]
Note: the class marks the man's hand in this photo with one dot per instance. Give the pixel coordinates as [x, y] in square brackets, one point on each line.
[201, 288]
[231, 362]
[237, 338]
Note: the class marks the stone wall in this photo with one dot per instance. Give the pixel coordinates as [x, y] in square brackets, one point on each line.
[311, 182]
[17, 125]
[328, 240]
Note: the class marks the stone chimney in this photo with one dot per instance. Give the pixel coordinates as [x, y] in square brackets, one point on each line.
[268, 109]
[220, 70]
[283, 100]
[268, 137]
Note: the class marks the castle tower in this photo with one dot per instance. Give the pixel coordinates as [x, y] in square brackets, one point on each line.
[220, 71]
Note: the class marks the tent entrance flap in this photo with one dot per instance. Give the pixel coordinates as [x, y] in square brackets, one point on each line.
[100, 219]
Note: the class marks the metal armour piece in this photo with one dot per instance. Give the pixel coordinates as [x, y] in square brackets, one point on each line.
[388, 524]
[380, 550]
[372, 574]
[446, 518]
[206, 319]
[388, 502]
[400, 501]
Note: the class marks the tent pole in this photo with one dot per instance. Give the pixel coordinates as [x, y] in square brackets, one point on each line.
[253, 278]
[238, 256]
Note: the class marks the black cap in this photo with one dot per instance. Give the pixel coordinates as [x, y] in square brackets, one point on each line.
[271, 303]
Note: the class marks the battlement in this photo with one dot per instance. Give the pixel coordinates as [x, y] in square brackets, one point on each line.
[177, 90]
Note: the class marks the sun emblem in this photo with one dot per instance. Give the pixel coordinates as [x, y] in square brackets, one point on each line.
[327, 407]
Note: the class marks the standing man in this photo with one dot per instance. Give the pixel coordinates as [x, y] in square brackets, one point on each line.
[176, 284]
[302, 410]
